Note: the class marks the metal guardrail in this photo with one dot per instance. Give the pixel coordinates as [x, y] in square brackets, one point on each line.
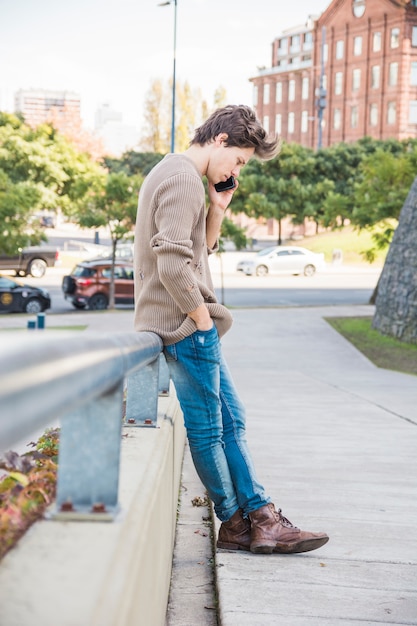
[81, 379]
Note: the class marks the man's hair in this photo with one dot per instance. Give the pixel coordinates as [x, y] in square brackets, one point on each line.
[243, 130]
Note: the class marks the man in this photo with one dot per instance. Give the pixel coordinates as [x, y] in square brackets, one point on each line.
[175, 299]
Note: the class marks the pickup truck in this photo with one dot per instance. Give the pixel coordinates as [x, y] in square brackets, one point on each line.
[32, 260]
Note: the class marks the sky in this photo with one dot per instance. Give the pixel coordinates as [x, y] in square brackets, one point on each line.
[110, 51]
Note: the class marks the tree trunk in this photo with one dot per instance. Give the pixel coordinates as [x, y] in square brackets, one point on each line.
[396, 301]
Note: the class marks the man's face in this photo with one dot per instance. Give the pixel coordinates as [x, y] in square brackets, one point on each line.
[227, 161]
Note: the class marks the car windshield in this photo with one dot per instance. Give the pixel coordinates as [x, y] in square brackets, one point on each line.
[266, 251]
[83, 272]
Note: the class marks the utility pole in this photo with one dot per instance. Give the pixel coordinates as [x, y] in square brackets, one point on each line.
[174, 87]
[321, 93]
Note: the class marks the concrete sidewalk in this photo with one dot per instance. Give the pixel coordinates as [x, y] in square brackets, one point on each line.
[334, 441]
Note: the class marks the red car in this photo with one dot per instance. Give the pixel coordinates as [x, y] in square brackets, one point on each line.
[88, 285]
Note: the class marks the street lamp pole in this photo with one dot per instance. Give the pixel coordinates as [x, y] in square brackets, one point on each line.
[322, 93]
[163, 4]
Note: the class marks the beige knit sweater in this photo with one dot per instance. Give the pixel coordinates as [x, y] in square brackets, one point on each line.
[172, 274]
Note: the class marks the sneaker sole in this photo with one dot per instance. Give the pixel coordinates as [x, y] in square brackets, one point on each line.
[293, 548]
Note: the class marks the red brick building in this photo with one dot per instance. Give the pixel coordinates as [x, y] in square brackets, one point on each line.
[348, 73]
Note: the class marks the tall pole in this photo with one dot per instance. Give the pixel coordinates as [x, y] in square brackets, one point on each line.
[321, 100]
[174, 80]
[164, 4]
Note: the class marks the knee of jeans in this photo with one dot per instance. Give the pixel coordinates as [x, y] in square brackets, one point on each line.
[204, 443]
[235, 430]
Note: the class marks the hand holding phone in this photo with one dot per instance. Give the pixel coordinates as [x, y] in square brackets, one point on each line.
[226, 185]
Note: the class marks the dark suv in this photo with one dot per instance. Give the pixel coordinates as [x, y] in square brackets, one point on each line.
[88, 285]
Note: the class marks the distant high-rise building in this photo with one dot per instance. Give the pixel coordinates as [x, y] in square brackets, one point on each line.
[105, 113]
[117, 136]
[349, 73]
[60, 108]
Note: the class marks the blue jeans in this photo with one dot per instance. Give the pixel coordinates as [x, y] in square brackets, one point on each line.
[214, 418]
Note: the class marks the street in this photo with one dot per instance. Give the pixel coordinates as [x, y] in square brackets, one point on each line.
[335, 285]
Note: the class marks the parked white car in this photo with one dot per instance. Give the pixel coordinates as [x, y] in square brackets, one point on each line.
[282, 260]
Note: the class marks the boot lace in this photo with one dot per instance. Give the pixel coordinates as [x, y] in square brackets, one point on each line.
[282, 520]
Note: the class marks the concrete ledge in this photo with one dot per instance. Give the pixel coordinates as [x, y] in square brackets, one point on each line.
[102, 574]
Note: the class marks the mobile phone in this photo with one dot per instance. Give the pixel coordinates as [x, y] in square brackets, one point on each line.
[228, 184]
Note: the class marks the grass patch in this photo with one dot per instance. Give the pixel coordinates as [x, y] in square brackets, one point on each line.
[385, 352]
[350, 241]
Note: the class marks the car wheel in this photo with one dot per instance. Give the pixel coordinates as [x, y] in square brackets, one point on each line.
[261, 270]
[68, 285]
[309, 270]
[33, 306]
[79, 305]
[37, 268]
[98, 302]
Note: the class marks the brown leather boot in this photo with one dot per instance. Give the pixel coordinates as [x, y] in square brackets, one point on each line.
[272, 532]
[235, 533]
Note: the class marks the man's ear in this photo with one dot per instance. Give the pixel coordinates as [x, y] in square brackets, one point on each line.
[221, 138]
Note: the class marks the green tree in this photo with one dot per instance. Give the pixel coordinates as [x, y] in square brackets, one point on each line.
[380, 194]
[17, 202]
[133, 162]
[276, 188]
[112, 203]
[39, 169]
[157, 128]
[191, 111]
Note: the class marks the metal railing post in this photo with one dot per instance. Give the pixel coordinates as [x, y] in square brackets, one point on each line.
[89, 459]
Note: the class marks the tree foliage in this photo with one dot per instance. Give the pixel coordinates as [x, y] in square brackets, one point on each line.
[39, 169]
[112, 203]
[190, 111]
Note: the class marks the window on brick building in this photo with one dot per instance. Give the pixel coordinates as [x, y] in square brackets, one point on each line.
[278, 123]
[308, 41]
[412, 118]
[279, 93]
[375, 76]
[393, 74]
[304, 88]
[340, 48]
[392, 113]
[338, 83]
[395, 37]
[337, 119]
[354, 117]
[376, 42]
[358, 7]
[373, 114]
[255, 95]
[291, 90]
[357, 46]
[265, 123]
[266, 94]
[304, 121]
[325, 52]
[291, 122]
[283, 46]
[295, 43]
[413, 77]
[356, 79]
[414, 36]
